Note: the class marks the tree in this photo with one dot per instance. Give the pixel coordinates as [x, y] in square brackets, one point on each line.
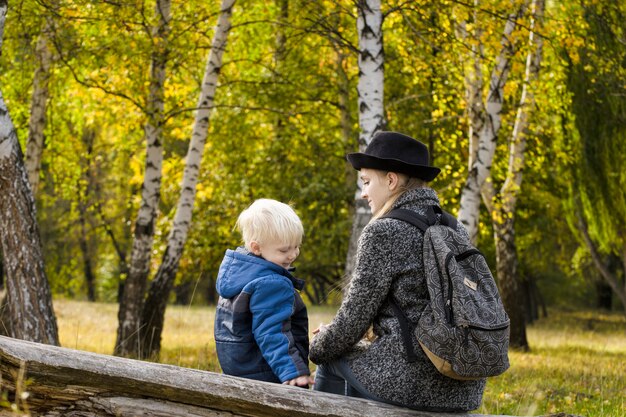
[85, 188]
[129, 315]
[597, 203]
[502, 205]
[154, 309]
[35, 144]
[485, 122]
[371, 99]
[29, 298]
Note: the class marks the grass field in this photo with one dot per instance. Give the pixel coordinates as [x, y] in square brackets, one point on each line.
[577, 362]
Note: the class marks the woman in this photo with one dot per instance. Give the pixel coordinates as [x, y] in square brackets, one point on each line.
[395, 170]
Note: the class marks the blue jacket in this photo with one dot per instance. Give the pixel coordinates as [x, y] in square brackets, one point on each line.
[261, 324]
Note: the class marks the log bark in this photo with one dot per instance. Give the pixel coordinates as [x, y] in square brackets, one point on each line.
[65, 382]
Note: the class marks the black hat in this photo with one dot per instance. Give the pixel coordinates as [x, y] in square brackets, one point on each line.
[392, 151]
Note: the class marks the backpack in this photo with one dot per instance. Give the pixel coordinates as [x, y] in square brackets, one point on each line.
[464, 330]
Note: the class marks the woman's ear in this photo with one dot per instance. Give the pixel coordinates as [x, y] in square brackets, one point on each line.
[255, 248]
[393, 180]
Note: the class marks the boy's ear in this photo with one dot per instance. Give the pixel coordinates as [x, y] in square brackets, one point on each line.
[255, 248]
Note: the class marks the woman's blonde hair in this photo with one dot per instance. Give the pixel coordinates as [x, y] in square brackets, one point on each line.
[406, 184]
[270, 221]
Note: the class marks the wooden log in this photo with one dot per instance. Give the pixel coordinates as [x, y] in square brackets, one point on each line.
[52, 381]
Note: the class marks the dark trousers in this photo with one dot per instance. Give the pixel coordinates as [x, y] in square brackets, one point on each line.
[336, 377]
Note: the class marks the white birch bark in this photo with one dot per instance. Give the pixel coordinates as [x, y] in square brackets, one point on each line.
[512, 184]
[488, 131]
[371, 110]
[474, 85]
[503, 215]
[28, 292]
[161, 286]
[37, 123]
[371, 79]
[129, 314]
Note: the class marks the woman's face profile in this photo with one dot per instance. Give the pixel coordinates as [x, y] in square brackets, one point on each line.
[375, 188]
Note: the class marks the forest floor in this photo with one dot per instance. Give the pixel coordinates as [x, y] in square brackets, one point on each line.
[576, 364]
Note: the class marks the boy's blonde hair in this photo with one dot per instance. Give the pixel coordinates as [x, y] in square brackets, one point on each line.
[270, 221]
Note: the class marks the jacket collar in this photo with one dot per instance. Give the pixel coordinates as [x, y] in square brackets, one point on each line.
[297, 283]
[418, 197]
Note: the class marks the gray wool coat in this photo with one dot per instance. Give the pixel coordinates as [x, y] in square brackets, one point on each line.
[389, 260]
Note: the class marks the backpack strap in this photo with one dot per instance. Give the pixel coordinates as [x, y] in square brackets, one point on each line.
[446, 219]
[409, 216]
[405, 330]
[423, 222]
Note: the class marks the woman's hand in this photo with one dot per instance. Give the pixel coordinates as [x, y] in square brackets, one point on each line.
[320, 328]
[301, 381]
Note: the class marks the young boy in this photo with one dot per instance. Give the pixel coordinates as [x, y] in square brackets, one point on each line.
[261, 323]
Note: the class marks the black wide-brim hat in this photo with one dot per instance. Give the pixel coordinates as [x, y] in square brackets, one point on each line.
[395, 152]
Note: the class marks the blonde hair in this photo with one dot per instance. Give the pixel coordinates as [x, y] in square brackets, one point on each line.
[407, 184]
[270, 221]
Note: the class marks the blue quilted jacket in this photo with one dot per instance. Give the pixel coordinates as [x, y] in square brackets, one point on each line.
[261, 324]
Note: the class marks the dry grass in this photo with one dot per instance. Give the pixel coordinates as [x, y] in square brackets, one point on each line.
[187, 338]
[577, 362]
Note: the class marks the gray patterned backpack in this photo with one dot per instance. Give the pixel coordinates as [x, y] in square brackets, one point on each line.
[464, 330]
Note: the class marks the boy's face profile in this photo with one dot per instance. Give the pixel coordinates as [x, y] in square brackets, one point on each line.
[281, 254]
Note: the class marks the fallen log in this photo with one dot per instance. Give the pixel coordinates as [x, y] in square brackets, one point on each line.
[43, 380]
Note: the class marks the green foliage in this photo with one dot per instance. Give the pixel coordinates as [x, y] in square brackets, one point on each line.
[277, 132]
[597, 79]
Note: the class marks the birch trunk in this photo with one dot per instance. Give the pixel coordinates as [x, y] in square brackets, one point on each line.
[131, 304]
[371, 111]
[345, 121]
[37, 123]
[154, 309]
[28, 292]
[486, 125]
[503, 215]
[474, 87]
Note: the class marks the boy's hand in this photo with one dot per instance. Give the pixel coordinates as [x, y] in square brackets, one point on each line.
[301, 381]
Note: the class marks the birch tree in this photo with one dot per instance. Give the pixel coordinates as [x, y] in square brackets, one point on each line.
[371, 110]
[501, 205]
[154, 309]
[34, 144]
[28, 292]
[485, 124]
[131, 304]
[474, 86]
